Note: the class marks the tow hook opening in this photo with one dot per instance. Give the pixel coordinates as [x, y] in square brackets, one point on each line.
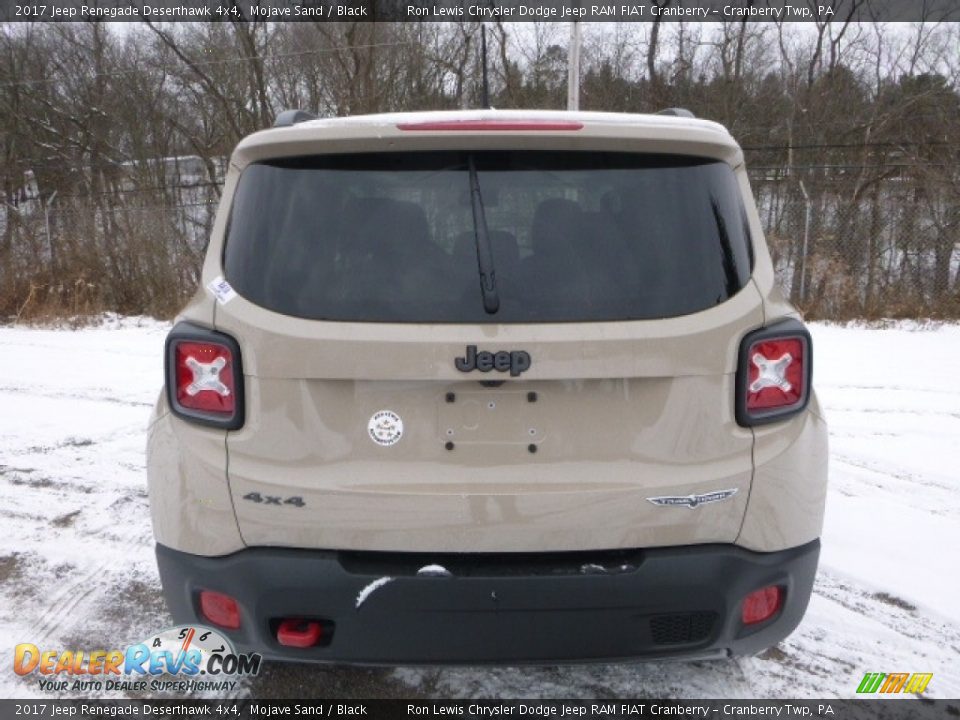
[302, 632]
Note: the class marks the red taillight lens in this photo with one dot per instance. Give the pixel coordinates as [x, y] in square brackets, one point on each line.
[220, 609]
[774, 369]
[204, 377]
[761, 605]
[775, 373]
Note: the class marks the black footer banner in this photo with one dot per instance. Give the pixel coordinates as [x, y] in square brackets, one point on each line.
[895, 709]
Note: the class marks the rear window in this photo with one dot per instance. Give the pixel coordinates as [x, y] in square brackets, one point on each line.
[574, 236]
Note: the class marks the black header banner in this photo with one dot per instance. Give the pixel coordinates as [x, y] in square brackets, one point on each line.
[481, 10]
[641, 709]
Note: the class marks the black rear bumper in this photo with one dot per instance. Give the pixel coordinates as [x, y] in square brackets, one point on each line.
[504, 609]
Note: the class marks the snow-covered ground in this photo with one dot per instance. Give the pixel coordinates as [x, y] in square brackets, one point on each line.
[77, 570]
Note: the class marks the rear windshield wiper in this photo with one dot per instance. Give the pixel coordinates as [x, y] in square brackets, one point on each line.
[726, 248]
[488, 278]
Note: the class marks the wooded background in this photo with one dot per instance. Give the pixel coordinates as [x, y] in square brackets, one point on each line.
[113, 142]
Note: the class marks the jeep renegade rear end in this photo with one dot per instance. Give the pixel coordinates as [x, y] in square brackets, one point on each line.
[489, 386]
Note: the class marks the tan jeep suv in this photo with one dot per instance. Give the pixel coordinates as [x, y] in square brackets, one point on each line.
[488, 386]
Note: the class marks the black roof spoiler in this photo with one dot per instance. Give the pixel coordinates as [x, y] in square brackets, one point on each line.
[289, 118]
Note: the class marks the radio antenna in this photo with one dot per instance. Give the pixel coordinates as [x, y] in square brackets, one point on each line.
[483, 60]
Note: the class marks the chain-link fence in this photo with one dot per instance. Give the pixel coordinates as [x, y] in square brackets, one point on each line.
[130, 252]
[842, 250]
[847, 249]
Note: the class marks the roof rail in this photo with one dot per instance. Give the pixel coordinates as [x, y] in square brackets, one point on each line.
[676, 112]
[289, 118]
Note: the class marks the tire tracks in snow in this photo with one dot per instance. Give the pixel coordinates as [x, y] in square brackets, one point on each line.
[63, 605]
[888, 610]
[81, 396]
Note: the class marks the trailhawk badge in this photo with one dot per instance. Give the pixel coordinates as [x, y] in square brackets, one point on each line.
[385, 428]
[692, 501]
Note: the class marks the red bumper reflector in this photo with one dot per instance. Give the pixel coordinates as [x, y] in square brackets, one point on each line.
[762, 604]
[220, 609]
[299, 633]
[484, 125]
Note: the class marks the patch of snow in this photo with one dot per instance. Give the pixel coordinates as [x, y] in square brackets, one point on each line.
[892, 403]
[434, 571]
[77, 568]
[370, 589]
[76, 554]
[595, 569]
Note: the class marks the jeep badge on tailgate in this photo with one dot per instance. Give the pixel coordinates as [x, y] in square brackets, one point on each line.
[516, 361]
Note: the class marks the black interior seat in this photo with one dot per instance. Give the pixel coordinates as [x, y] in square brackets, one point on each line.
[306, 233]
[387, 255]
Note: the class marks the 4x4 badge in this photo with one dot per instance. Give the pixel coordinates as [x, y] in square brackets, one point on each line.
[692, 501]
[516, 361]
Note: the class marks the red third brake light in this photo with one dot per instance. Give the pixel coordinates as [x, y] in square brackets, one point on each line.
[761, 604]
[204, 377]
[495, 124]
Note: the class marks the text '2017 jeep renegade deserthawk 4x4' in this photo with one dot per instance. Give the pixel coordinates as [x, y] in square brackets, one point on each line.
[488, 386]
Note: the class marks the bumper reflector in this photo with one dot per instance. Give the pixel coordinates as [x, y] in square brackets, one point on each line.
[221, 610]
[299, 633]
[762, 604]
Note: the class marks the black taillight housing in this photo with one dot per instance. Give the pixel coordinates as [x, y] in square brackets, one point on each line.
[774, 372]
[204, 376]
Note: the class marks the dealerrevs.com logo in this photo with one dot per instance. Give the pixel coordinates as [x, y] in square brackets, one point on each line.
[187, 658]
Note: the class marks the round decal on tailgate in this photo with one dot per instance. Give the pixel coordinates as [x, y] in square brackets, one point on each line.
[385, 428]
